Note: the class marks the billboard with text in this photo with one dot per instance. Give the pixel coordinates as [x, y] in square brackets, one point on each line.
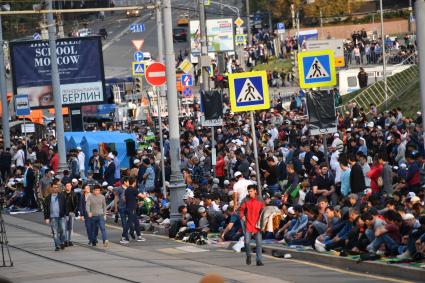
[81, 72]
[219, 32]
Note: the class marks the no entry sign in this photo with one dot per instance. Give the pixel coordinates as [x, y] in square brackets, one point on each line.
[155, 74]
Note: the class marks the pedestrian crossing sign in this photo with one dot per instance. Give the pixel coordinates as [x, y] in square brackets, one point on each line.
[138, 69]
[316, 69]
[249, 91]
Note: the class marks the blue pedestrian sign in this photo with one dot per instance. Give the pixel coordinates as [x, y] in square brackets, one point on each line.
[249, 91]
[187, 91]
[317, 69]
[138, 69]
[281, 27]
[137, 27]
[138, 56]
[22, 105]
[36, 36]
[187, 80]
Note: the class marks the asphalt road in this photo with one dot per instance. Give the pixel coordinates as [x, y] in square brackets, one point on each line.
[190, 258]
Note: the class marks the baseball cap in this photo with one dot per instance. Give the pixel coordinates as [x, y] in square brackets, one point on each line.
[238, 174]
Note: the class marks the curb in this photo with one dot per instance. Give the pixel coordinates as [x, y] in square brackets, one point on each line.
[369, 267]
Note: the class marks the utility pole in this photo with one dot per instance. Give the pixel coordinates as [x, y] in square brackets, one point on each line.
[3, 90]
[177, 185]
[161, 92]
[410, 16]
[248, 23]
[270, 16]
[205, 86]
[60, 137]
[384, 63]
[420, 37]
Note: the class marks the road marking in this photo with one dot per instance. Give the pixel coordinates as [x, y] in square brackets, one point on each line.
[340, 270]
[191, 249]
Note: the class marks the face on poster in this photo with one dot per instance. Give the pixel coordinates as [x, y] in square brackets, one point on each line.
[80, 63]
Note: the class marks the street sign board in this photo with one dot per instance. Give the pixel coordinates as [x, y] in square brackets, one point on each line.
[187, 91]
[337, 45]
[138, 56]
[249, 91]
[186, 65]
[22, 105]
[36, 36]
[240, 39]
[137, 27]
[138, 69]
[28, 128]
[187, 80]
[155, 74]
[239, 22]
[317, 69]
[281, 27]
[138, 43]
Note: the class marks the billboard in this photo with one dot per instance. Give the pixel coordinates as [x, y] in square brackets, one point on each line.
[212, 107]
[219, 33]
[80, 63]
[337, 45]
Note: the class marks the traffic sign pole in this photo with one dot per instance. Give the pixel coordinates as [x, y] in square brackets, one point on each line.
[257, 164]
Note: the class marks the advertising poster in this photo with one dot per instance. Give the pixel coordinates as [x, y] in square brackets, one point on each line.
[81, 72]
[219, 33]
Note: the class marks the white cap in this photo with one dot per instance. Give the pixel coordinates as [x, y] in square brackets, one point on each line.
[110, 155]
[226, 182]
[78, 147]
[315, 158]
[415, 199]
[363, 140]
[104, 184]
[408, 216]
[110, 188]
[216, 181]
[74, 180]
[370, 124]
[224, 208]
[237, 174]
[403, 165]
[336, 135]
[411, 194]
[419, 113]
[201, 209]
[136, 161]
[291, 210]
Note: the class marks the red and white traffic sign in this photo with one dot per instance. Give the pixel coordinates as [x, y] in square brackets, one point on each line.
[155, 74]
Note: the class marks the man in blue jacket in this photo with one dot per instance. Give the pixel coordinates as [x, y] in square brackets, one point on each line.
[54, 214]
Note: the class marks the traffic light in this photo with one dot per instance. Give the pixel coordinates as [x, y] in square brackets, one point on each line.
[138, 84]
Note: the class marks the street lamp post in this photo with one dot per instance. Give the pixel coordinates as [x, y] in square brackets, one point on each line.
[248, 23]
[60, 136]
[420, 31]
[384, 63]
[3, 89]
[177, 186]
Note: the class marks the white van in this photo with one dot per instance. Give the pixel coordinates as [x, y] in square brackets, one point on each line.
[348, 82]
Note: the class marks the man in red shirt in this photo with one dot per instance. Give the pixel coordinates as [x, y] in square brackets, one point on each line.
[250, 212]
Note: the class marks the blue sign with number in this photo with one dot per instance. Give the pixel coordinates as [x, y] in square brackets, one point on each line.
[138, 56]
[137, 27]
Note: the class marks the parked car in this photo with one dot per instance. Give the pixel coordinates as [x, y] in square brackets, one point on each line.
[103, 33]
[180, 34]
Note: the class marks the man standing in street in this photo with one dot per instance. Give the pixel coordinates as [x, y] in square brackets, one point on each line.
[96, 210]
[250, 212]
[81, 161]
[71, 209]
[120, 205]
[362, 77]
[54, 213]
[131, 195]
[29, 183]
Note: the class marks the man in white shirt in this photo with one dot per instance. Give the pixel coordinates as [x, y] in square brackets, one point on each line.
[337, 143]
[19, 157]
[240, 189]
[81, 161]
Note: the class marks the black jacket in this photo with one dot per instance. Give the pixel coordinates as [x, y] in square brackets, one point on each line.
[30, 179]
[62, 205]
[110, 174]
[5, 159]
[357, 182]
[71, 203]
